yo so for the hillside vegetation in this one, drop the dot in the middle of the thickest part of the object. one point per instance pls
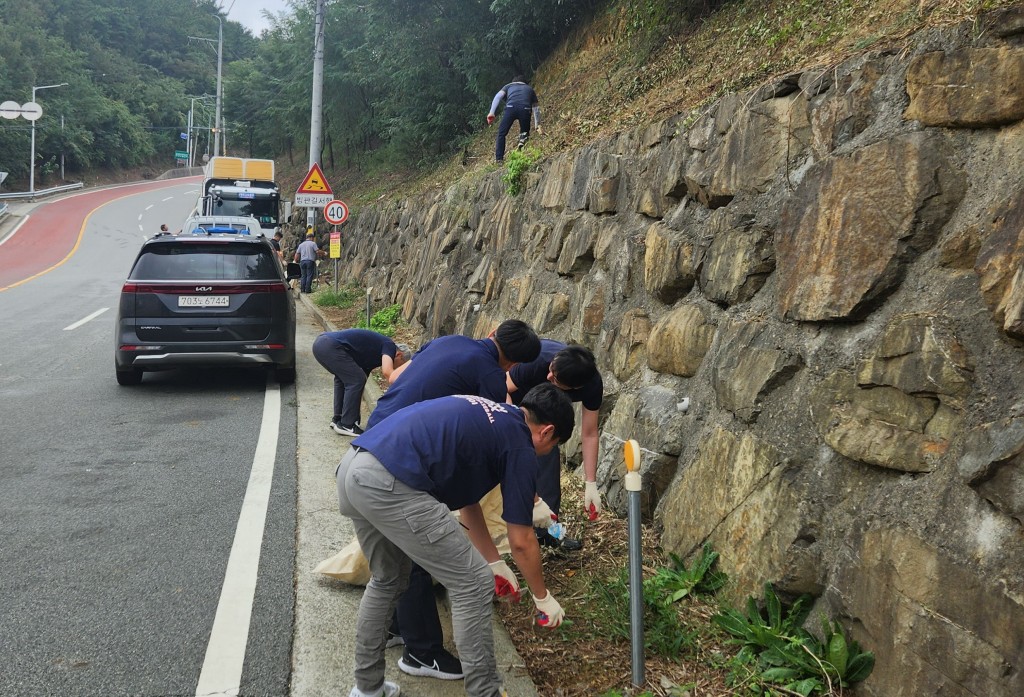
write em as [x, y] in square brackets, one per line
[120, 76]
[641, 61]
[407, 83]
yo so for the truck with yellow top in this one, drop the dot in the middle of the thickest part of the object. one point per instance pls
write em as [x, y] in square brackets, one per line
[239, 186]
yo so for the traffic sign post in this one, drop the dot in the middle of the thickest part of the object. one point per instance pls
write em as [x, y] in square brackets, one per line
[336, 213]
[335, 247]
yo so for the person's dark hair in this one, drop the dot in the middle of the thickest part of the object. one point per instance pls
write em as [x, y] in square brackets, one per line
[517, 341]
[518, 78]
[546, 404]
[574, 366]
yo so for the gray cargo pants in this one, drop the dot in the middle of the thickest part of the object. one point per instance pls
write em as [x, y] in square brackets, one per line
[395, 524]
[349, 379]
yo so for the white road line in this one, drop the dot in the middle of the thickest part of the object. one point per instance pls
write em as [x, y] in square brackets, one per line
[82, 321]
[140, 216]
[222, 668]
[168, 198]
[150, 206]
[15, 230]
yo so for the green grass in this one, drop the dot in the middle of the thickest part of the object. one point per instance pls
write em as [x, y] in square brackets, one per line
[384, 321]
[346, 296]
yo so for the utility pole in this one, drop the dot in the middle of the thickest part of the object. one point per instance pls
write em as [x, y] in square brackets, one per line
[220, 66]
[220, 62]
[316, 109]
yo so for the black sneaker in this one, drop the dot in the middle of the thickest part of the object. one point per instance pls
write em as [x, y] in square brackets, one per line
[441, 665]
[353, 430]
[566, 544]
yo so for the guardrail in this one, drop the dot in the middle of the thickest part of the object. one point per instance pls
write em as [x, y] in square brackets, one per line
[40, 192]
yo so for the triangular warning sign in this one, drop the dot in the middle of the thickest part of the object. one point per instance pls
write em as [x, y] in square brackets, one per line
[315, 182]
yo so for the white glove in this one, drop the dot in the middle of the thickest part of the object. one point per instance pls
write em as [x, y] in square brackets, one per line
[551, 613]
[543, 516]
[505, 584]
[591, 500]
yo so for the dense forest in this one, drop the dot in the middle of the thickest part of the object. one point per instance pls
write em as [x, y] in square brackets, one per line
[405, 81]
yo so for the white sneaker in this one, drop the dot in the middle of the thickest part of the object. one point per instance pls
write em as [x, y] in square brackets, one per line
[389, 689]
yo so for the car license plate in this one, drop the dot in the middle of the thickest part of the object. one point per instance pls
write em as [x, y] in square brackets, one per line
[202, 301]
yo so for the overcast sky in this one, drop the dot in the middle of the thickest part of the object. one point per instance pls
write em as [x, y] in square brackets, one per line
[250, 12]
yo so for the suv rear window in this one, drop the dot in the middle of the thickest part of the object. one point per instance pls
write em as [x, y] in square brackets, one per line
[191, 262]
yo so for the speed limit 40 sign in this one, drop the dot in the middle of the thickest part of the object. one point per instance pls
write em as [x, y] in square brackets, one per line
[336, 212]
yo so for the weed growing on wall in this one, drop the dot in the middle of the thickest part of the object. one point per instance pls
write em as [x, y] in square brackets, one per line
[517, 164]
[775, 649]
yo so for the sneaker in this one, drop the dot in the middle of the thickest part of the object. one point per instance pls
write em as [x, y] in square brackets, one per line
[394, 640]
[389, 689]
[354, 430]
[566, 544]
[441, 665]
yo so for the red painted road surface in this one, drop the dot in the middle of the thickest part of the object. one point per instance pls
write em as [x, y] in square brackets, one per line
[53, 231]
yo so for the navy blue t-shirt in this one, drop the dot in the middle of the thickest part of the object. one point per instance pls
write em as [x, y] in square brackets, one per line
[528, 375]
[457, 449]
[519, 94]
[365, 347]
[447, 365]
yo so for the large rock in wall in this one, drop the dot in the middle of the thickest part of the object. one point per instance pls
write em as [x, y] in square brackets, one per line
[807, 303]
[851, 228]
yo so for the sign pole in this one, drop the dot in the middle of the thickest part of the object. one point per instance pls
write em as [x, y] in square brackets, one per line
[336, 213]
[336, 232]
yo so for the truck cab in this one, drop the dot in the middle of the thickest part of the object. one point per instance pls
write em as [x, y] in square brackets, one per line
[236, 186]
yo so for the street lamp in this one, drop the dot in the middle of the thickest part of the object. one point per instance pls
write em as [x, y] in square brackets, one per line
[32, 156]
[193, 141]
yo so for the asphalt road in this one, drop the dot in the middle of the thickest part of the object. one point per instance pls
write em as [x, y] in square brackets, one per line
[119, 506]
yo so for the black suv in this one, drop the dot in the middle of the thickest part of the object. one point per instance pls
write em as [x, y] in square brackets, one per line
[205, 300]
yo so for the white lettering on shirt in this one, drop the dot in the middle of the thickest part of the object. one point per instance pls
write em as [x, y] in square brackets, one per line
[488, 406]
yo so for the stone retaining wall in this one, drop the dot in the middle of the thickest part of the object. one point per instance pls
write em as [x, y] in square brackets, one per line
[831, 269]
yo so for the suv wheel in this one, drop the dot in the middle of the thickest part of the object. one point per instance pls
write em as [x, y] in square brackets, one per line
[132, 376]
[285, 376]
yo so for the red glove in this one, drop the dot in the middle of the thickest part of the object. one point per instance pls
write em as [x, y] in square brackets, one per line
[506, 587]
[549, 612]
[490, 119]
[591, 500]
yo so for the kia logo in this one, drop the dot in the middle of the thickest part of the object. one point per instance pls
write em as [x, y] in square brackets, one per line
[204, 289]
